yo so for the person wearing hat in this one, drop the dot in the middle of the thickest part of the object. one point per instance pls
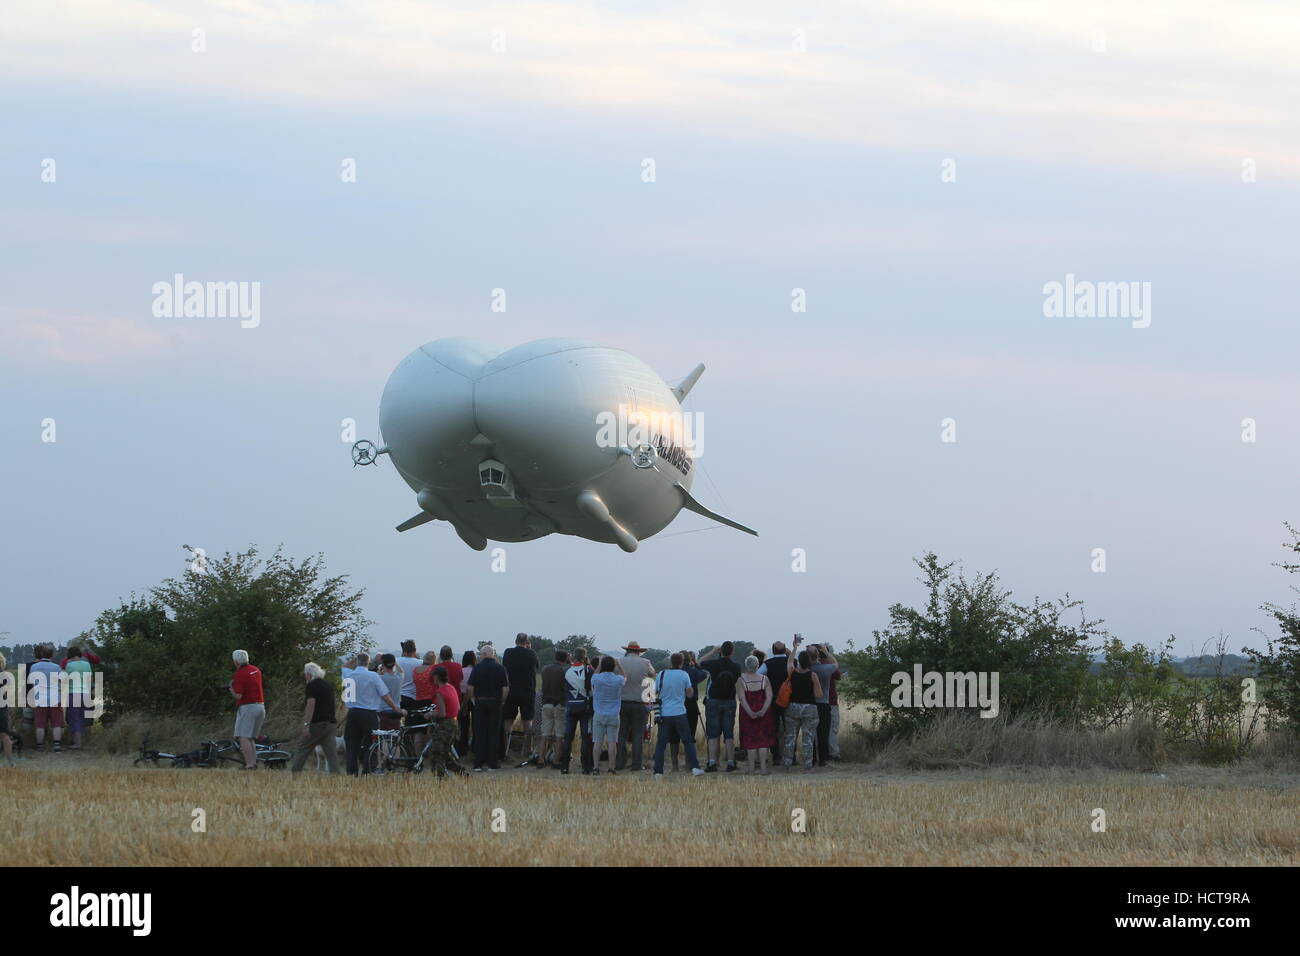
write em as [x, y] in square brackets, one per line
[633, 711]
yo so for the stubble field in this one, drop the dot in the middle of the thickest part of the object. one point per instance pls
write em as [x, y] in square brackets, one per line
[524, 817]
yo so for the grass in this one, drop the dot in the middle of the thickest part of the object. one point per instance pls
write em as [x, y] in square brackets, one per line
[855, 817]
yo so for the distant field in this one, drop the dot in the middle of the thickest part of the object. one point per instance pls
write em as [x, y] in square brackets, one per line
[89, 811]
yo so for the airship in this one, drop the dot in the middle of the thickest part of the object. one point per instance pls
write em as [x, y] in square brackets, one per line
[556, 436]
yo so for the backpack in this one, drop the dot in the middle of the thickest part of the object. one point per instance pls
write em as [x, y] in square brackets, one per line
[723, 685]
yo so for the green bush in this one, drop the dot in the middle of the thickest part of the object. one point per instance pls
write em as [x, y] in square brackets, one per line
[971, 624]
[169, 652]
[1279, 665]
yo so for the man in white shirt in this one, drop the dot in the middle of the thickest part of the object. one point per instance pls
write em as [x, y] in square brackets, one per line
[408, 662]
[364, 692]
[44, 680]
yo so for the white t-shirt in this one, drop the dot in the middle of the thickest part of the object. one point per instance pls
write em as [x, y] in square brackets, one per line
[408, 666]
[43, 677]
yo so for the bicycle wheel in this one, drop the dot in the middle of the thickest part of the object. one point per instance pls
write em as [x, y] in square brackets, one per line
[376, 759]
[405, 756]
[227, 751]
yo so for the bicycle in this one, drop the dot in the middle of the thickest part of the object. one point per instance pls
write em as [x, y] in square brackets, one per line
[394, 751]
[265, 751]
[151, 757]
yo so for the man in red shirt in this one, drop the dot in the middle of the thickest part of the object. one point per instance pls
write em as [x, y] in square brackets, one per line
[250, 706]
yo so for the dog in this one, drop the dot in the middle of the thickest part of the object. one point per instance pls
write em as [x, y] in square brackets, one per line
[320, 753]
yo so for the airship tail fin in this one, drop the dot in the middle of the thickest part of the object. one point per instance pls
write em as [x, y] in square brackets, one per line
[688, 383]
[414, 522]
[690, 504]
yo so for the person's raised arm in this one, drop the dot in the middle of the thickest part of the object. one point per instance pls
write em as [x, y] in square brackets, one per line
[709, 653]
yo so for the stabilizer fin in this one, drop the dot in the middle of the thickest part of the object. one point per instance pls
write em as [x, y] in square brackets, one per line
[684, 388]
[415, 521]
[690, 504]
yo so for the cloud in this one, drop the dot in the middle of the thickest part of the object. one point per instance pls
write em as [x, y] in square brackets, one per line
[39, 336]
[1151, 86]
[107, 230]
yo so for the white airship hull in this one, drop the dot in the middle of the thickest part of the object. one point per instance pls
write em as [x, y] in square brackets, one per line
[457, 414]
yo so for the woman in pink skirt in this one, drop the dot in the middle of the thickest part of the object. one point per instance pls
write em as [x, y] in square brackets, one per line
[757, 723]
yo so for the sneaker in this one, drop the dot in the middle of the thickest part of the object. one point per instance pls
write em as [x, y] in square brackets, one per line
[58, 747]
[697, 772]
[731, 766]
[611, 772]
[564, 770]
[479, 769]
[659, 776]
[711, 768]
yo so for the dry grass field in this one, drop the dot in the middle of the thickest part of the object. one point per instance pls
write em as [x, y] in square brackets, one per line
[92, 811]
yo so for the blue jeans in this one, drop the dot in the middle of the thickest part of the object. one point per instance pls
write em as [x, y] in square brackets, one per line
[573, 719]
[719, 718]
[679, 728]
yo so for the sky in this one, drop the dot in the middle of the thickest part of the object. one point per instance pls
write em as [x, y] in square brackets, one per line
[922, 170]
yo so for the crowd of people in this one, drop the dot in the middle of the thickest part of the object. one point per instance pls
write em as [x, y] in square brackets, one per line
[52, 711]
[783, 706]
[778, 708]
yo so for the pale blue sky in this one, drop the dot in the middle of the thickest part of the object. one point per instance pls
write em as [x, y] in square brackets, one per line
[775, 170]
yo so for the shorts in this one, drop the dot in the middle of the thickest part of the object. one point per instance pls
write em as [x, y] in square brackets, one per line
[248, 720]
[552, 723]
[523, 706]
[719, 719]
[51, 717]
[604, 727]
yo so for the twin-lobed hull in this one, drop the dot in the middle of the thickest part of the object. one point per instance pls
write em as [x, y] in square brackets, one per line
[509, 446]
